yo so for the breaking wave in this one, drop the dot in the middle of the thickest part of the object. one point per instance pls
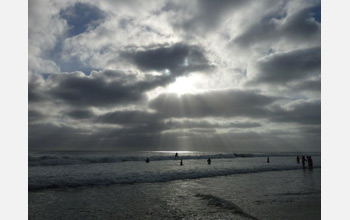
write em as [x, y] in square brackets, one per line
[93, 179]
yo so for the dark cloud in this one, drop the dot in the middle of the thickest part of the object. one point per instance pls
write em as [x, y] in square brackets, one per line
[80, 114]
[234, 103]
[307, 85]
[226, 103]
[137, 120]
[244, 125]
[34, 116]
[77, 89]
[104, 88]
[129, 117]
[63, 137]
[82, 17]
[299, 27]
[34, 89]
[289, 66]
[302, 112]
[84, 90]
[175, 60]
[54, 137]
[311, 130]
[302, 25]
[50, 136]
[108, 88]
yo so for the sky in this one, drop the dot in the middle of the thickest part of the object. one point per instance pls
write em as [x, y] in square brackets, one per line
[229, 75]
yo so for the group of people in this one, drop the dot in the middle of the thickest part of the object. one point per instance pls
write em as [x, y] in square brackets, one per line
[304, 159]
[181, 162]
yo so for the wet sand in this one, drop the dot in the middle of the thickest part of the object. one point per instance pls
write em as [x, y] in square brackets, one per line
[293, 194]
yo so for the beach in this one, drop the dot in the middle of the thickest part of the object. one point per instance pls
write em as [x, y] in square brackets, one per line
[237, 187]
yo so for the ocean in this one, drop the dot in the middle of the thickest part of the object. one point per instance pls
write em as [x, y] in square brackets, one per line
[121, 185]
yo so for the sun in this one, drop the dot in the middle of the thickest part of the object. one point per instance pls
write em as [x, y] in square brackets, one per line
[182, 85]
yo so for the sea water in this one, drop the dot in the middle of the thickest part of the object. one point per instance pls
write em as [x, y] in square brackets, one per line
[121, 185]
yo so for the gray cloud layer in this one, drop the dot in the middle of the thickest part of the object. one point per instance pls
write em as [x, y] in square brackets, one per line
[218, 103]
[285, 67]
[203, 75]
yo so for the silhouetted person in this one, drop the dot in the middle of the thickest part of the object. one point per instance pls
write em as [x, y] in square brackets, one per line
[303, 160]
[181, 163]
[268, 159]
[176, 155]
[309, 162]
[209, 161]
[147, 160]
[298, 159]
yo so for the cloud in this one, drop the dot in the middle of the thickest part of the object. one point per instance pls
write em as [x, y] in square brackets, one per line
[100, 88]
[80, 114]
[34, 116]
[235, 103]
[45, 28]
[226, 103]
[289, 66]
[202, 16]
[109, 87]
[206, 124]
[307, 85]
[129, 117]
[81, 90]
[282, 25]
[34, 88]
[300, 111]
[51, 136]
[175, 59]
[101, 74]
[54, 137]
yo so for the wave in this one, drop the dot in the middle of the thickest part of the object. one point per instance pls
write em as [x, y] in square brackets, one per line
[54, 160]
[65, 160]
[93, 179]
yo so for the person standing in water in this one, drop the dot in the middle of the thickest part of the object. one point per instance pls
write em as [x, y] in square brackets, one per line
[209, 161]
[309, 161]
[303, 160]
[268, 159]
[298, 159]
[176, 155]
[181, 163]
[147, 160]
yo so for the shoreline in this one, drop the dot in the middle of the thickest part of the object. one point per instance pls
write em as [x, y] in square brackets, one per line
[282, 194]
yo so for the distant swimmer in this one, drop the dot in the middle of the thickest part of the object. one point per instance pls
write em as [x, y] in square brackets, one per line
[209, 161]
[303, 160]
[176, 155]
[309, 161]
[181, 163]
[268, 159]
[298, 159]
[147, 160]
